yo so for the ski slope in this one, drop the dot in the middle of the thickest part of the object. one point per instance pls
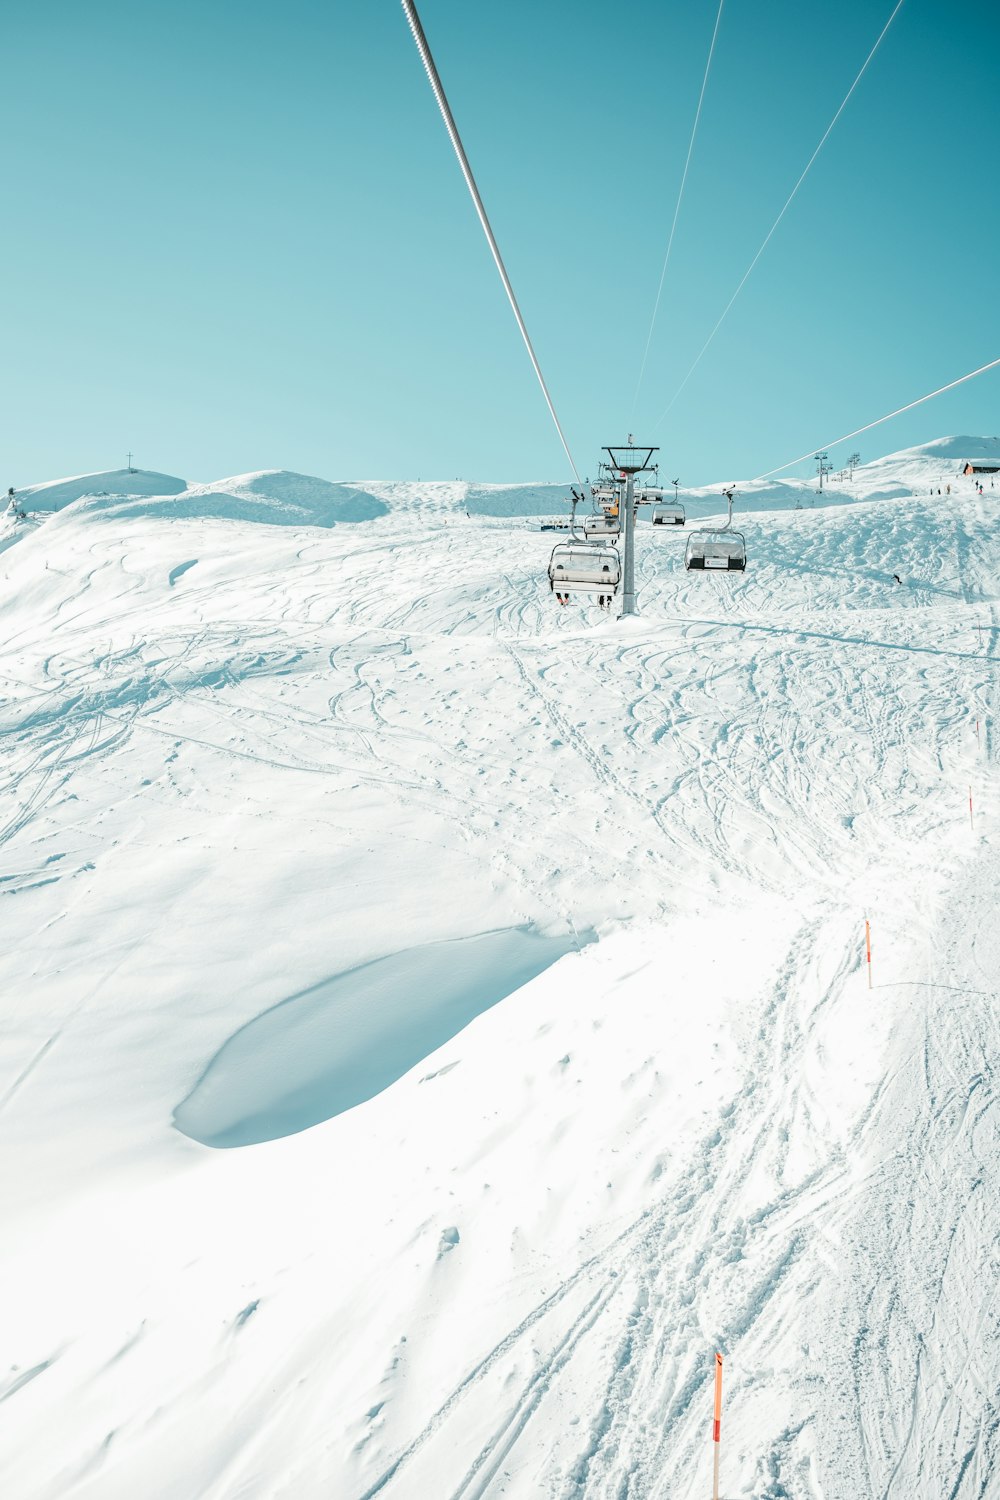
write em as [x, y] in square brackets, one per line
[437, 1021]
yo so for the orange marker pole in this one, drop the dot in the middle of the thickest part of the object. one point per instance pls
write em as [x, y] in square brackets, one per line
[868, 951]
[717, 1428]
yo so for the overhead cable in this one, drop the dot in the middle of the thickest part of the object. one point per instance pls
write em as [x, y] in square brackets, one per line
[470, 182]
[788, 202]
[677, 207]
[822, 447]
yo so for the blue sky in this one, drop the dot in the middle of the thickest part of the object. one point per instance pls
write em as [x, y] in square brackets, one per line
[237, 236]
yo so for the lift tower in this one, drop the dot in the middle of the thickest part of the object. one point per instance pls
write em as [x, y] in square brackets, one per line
[628, 461]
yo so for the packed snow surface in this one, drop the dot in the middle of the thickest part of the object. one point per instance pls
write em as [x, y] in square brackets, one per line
[516, 954]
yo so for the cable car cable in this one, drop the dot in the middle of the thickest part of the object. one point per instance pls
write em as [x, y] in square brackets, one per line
[677, 208]
[822, 447]
[788, 202]
[470, 182]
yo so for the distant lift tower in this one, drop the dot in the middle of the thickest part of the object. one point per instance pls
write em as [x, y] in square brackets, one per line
[628, 461]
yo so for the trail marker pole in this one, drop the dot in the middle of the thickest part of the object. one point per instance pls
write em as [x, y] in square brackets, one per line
[868, 951]
[971, 824]
[717, 1427]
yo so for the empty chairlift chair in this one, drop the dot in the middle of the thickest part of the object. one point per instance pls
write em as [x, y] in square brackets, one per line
[603, 524]
[667, 509]
[582, 568]
[717, 548]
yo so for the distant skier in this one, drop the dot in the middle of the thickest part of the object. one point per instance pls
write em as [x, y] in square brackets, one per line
[896, 578]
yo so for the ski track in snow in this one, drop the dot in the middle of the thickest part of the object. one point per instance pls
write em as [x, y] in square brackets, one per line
[222, 782]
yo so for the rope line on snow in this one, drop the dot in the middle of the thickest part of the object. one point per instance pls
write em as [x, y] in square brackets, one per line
[822, 447]
[788, 202]
[677, 207]
[470, 182]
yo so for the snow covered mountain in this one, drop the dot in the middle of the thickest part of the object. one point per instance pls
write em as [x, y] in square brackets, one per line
[435, 1022]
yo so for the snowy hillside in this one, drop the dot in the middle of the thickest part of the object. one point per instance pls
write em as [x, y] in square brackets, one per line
[435, 1022]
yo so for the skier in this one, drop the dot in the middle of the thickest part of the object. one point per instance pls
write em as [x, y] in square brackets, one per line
[896, 578]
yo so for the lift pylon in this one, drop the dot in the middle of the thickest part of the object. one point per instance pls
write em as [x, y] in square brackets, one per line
[629, 460]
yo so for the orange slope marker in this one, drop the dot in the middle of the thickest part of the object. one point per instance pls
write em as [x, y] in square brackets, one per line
[717, 1427]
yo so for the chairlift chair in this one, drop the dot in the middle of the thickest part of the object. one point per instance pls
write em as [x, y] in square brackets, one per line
[666, 511]
[603, 524]
[717, 548]
[584, 568]
[606, 520]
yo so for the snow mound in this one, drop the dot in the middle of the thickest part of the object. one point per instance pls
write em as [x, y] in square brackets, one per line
[325, 501]
[518, 500]
[344, 1040]
[950, 447]
[58, 493]
[270, 497]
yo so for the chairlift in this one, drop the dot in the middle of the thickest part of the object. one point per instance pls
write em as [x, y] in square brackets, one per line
[603, 524]
[667, 509]
[584, 568]
[608, 497]
[717, 548]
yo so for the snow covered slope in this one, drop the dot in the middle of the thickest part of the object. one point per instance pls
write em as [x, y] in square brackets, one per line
[550, 929]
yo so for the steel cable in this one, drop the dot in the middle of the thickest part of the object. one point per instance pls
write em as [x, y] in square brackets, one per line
[847, 436]
[788, 202]
[470, 182]
[677, 207]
